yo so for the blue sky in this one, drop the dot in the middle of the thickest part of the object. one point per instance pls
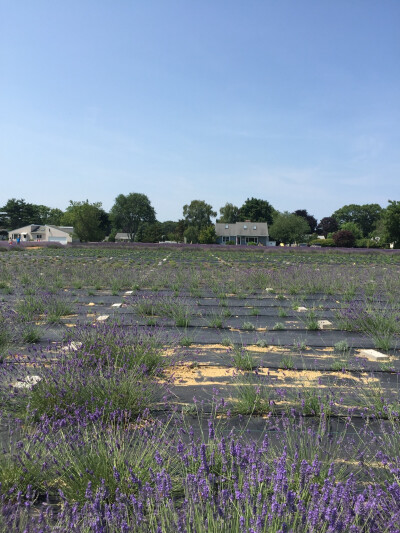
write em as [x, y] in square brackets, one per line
[292, 101]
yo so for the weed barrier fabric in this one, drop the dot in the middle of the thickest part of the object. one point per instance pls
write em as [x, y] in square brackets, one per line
[310, 359]
[205, 335]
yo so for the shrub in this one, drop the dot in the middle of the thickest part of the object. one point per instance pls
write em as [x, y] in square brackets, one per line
[344, 239]
[322, 242]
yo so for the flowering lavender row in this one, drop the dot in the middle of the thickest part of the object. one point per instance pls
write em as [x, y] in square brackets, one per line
[95, 435]
[156, 477]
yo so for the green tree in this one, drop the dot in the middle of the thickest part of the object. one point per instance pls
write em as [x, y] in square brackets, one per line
[311, 221]
[289, 228]
[207, 235]
[55, 216]
[85, 219]
[391, 218]
[191, 235]
[129, 211]
[179, 234]
[198, 214]
[168, 230]
[229, 214]
[18, 213]
[354, 228]
[365, 216]
[256, 210]
[149, 232]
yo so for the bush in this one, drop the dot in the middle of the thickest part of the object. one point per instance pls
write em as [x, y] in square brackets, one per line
[367, 243]
[322, 242]
[344, 239]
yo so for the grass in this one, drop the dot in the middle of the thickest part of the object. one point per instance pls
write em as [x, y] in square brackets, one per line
[215, 321]
[252, 396]
[242, 359]
[287, 362]
[312, 321]
[31, 334]
[186, 341]
[342, 347]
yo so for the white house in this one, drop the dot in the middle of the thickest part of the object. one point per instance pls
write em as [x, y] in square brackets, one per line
[42, 233]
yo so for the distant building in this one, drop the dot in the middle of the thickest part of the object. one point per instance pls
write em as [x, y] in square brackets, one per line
[42, 233]
[122, 237]
[243, 233]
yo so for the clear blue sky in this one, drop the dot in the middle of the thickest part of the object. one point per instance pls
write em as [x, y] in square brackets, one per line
[293, 101]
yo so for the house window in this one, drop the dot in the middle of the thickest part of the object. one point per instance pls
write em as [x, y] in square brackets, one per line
[226, 226]
[254, 227]
[226, 239]
[251, 239]
[244, 227]
[38, 237]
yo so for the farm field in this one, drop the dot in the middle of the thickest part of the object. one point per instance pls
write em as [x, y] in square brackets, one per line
[199, 389]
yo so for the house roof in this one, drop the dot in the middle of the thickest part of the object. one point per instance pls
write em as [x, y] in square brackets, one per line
[38, 228]
[242, 229]
[121, 235]
[65, 229]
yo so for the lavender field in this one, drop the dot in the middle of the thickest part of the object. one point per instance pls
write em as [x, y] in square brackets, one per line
[199, 388]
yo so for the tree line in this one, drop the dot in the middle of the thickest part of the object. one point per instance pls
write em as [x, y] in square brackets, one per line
[133, 214]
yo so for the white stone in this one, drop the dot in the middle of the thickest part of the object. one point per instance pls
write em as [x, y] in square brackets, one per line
[128, 292]
[324, 324]
[27, 383]
[72, 347]
[117, 305]
[302, 309]
[374, 355]
[102, 318]
[269, 289]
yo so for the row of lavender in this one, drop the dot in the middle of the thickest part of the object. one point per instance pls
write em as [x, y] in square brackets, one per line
[88, 446]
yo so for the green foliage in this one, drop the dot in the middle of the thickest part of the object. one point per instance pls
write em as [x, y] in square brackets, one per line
[354, 228]
[86, 220]
[229, 214]
[392, 221]
[149, 232]
[365, 216]
[252, 396]
[311, 221]
[31, 334]
[341, 347]
[325, 243]
[19, 213]
[289, 228]
[129, 211]
[242, 359]
[256, 210]
[191, 234]
[367, 243]
[208, 235]
[198, 214]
